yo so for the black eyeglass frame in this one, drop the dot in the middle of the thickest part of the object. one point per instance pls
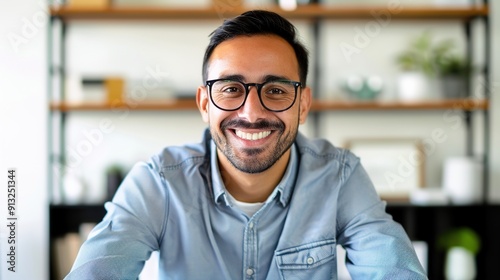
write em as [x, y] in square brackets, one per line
[259, 87]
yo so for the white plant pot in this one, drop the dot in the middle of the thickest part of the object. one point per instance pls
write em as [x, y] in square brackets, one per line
[462, 180]
[74, 189]
[460, 264]
[413, 86]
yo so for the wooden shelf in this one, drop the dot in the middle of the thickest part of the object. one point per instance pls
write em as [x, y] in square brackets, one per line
[167, 105]
[462, 104]
[311, 11]
[318, 105]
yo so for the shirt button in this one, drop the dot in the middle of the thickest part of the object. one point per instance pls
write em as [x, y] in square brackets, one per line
[249, 271]
[310, 260]
[250, 225]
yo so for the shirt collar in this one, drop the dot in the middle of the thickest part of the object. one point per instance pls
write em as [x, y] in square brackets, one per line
[283, 190]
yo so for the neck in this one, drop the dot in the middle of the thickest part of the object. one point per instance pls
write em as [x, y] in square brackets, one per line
[247, 187]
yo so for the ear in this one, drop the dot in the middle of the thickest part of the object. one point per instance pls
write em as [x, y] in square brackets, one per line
[305, 104]
[203, 102]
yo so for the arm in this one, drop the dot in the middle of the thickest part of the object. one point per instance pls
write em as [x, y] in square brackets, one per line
[119, 245]
[377, 247]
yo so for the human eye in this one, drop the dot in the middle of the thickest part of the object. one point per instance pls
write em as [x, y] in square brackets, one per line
[229, 88]
[276, 89]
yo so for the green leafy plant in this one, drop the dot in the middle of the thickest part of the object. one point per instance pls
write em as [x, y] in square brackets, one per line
[453, 65]
[418, 55]
[463, 237]
[114, 168]
[432, 58]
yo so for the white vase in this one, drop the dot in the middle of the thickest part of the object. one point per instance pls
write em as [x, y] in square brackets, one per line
[462, 180]
[460, 264]
[73, 189]
[413, 86]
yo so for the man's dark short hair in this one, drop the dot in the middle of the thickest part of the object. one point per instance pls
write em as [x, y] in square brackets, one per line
[258, 22]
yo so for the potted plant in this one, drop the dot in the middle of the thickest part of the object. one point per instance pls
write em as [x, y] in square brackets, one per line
[425, 62]
[453, 72]
[417, 70]
[461, 245]
[114, 177]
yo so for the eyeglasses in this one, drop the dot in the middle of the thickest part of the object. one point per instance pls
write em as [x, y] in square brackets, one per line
[274, 95]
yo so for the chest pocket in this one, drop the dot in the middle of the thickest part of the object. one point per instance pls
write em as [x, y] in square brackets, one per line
[315, 260]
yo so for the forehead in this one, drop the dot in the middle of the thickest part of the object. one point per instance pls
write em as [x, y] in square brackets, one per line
[253, 57]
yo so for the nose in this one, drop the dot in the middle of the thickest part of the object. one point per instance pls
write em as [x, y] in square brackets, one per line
[252, 110]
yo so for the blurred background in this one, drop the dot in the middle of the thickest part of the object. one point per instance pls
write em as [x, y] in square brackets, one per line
[88, 88]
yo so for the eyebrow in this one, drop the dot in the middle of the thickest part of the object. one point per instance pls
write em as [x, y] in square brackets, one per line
[239, 78]
[266, 78]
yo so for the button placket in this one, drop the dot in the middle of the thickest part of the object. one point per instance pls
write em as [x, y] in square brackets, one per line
[250, 249]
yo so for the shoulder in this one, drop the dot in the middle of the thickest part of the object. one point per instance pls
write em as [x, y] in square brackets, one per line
[174, 169]
[173, 158]
[172, 163]
[324, 152]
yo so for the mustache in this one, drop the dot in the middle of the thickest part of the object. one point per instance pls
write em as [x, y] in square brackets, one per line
[262, 124]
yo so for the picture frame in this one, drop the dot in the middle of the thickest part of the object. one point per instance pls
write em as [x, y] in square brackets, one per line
[396, 166]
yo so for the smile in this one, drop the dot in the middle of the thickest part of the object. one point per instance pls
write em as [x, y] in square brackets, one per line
[252, 136]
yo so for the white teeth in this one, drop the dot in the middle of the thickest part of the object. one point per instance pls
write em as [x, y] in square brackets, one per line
[252, 136]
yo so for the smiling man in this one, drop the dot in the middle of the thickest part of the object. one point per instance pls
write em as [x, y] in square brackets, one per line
[257, 106]
[256, 199]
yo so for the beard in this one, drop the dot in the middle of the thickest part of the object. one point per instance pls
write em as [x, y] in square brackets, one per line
[254, 160]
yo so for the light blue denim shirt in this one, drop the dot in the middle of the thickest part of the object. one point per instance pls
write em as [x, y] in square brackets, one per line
[176, 204]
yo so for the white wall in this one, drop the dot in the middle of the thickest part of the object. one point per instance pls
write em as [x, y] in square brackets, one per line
[102, 49]
[23, 122]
